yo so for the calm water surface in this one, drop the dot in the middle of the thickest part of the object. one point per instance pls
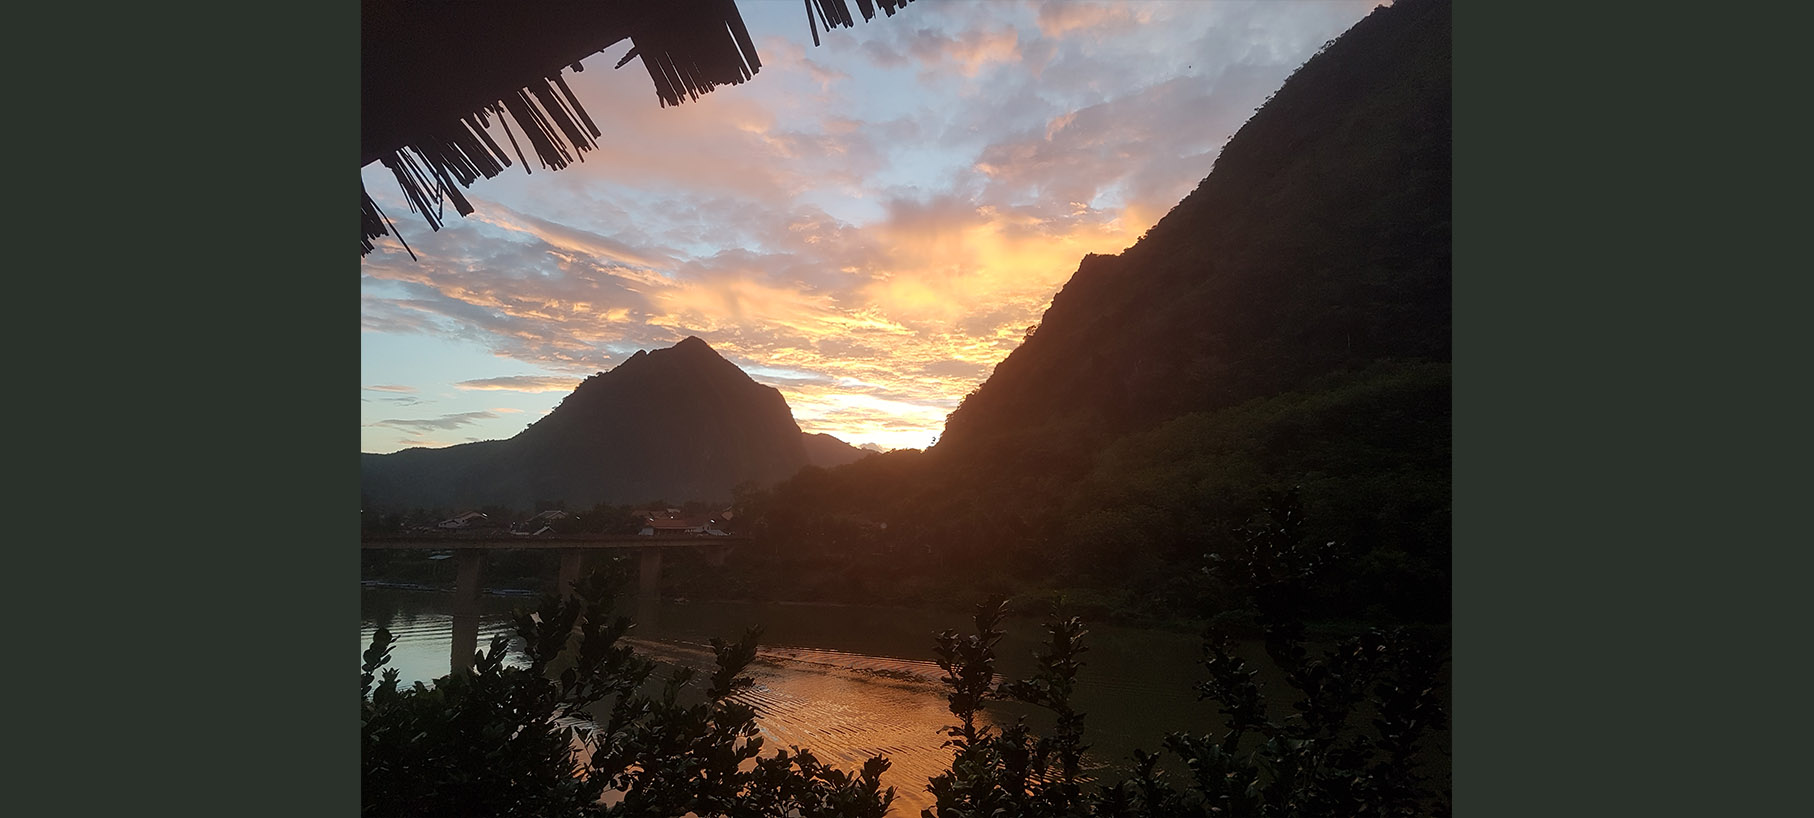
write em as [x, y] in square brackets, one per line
[850, 682]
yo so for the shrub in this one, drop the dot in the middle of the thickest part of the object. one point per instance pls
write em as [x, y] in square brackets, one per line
[554, 737]
[1350, 746]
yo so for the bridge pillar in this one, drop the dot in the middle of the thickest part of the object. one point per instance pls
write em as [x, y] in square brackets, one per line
[570, 570]
[648, 590]
[470, 563]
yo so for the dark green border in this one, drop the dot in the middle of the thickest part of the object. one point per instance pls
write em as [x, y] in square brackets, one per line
[321, 467]
[254, 363]
[189, 176]
[1501, 624]
[1567, 692]
[258, 714]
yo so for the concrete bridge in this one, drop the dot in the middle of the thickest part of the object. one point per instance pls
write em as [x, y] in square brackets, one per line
[470, 550]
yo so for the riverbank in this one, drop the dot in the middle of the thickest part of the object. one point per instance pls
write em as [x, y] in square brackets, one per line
[849, 680]
[1033, 605]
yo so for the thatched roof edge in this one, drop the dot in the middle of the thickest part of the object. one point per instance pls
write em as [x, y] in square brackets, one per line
[689, 48]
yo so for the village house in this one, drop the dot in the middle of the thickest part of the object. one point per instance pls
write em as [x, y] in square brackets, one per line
[540, 524]
[471, 519]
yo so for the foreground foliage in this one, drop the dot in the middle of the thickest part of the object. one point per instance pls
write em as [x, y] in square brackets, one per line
[1316, 762]
[1349, 744]
[584, 719]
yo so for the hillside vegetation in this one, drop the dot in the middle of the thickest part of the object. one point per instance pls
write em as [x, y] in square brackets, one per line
[1284, 330]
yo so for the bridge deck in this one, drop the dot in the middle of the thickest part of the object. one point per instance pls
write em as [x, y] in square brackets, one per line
[499, 542]
[469, 550]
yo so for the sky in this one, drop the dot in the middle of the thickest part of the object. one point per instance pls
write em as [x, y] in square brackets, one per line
[869, 225]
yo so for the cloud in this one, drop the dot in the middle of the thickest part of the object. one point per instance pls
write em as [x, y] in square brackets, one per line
[967, 40]
[825, 76]
[883, 55]
[972, 50]
[1145, 149]
[420, 442]
[600, 248]
[440, 424]
[390, 388]
[963, 370]
[894, 424]
[401, 401]
[521, 383]
[1101, 19]
[896, 317]
[870, 226]
[515, 293]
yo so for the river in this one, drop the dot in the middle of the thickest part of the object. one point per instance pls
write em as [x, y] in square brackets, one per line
[848, 682]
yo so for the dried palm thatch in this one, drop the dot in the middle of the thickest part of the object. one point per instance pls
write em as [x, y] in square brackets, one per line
[435, 73]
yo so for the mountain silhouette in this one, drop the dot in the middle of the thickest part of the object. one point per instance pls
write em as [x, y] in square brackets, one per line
[1281, 339]
[680, 423]
[1319, 243]
[826, 451]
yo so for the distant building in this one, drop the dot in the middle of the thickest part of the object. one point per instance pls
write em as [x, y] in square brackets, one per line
[471, 519]
[672, 527]
[539, 524]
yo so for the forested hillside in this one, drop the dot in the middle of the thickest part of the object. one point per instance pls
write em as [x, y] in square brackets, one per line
[1281, 336]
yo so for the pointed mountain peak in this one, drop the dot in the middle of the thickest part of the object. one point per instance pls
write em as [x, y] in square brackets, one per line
[677, 422]
[693, 349]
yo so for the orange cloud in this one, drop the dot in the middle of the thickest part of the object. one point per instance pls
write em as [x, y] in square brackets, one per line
[520, 383]
[639, 261]
[943, 272]
[748, 217]
[1059, 19]
[969, 50]
[974, 52]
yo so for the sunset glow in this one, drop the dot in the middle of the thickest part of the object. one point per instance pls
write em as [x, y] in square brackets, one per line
[869, 225]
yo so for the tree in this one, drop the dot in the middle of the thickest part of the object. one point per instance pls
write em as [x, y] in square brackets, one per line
[585, 718]
[1317, 762]
[552, 738]
[1350, 746]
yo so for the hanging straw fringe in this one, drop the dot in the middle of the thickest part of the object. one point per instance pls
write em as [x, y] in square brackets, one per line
[686, 55]
[373, 223]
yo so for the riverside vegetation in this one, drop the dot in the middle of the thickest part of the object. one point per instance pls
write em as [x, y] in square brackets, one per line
[1288, 324]
[585, 728]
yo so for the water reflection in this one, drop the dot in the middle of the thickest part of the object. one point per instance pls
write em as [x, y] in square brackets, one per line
[851, 682]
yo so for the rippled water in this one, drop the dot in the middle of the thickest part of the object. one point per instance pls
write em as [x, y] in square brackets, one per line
[851, 682]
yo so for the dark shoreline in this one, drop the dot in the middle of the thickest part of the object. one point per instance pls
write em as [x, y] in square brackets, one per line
[1321, 630]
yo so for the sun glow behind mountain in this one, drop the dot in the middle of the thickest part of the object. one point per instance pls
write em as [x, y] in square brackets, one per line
[869, 226]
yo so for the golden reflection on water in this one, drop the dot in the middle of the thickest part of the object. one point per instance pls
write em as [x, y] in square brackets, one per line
[849, 705]
[845, 708]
